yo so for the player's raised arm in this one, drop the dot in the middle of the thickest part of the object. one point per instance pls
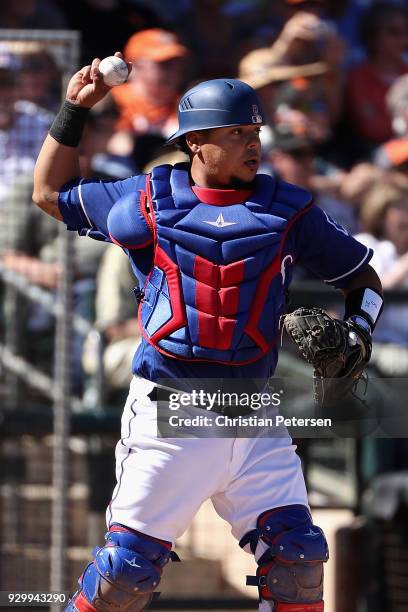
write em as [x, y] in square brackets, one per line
[58, 160]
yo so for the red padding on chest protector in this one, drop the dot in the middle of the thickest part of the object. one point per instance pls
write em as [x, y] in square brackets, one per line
[298, 607]
[217, 301]
[163, 261]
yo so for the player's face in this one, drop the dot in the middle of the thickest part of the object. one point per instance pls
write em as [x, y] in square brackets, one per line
[230, 156]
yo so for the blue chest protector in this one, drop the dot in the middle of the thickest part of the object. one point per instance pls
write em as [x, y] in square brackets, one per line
[217, 286]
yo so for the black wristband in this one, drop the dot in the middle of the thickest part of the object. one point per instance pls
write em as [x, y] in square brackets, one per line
[69, 124]
[366, 303]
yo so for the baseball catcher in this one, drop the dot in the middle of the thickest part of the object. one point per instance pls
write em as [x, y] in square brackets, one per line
[213, 243]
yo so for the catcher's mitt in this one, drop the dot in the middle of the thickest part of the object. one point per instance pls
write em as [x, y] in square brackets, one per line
[338, 351]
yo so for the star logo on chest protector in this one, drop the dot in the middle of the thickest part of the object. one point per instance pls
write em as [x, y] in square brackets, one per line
[220, 222]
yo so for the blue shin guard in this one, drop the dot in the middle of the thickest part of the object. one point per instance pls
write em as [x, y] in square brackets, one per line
[290, 570]
[124, 573]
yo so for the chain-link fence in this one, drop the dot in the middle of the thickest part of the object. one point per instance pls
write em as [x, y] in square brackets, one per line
[41, 322]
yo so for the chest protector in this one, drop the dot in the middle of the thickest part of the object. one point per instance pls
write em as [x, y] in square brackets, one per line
[218, 284]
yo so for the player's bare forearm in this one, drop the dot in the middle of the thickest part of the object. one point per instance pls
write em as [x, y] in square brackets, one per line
[367, 278]
[56, 165]
[58, 161]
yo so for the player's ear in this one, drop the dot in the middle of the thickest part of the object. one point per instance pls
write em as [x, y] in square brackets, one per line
[193, 141]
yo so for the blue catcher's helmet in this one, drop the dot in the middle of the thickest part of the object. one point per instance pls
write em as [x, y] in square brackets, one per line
[217, 103]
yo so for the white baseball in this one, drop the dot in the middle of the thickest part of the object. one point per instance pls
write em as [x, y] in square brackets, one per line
[114, 70]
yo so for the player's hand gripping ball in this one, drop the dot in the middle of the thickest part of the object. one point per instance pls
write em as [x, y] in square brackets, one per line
[114, 70]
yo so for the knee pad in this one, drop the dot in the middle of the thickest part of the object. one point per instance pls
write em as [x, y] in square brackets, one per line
[290, 571]
[124, 573]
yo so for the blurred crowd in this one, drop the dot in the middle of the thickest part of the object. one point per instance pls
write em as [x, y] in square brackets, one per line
[332, 76]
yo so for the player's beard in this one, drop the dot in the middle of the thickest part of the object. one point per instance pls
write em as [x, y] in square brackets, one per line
[239, 184]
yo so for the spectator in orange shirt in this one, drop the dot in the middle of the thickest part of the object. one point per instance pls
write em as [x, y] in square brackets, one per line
[148, 101]
[384, 33]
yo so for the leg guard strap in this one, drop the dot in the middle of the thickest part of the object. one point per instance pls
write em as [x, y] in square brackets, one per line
[285, 582]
